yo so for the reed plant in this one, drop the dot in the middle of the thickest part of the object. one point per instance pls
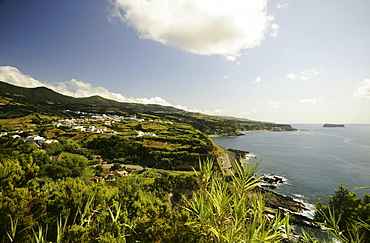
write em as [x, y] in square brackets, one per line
[231, 211]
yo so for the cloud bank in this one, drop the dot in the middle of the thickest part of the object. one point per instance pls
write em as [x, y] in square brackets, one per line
[72, 87]
[304, 75]
[216, 112]
[76, 88]
[13, 76]
[363, 90]
[202, 27]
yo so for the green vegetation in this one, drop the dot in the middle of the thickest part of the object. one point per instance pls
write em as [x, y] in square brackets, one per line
[166, 152]
[45, 200]
[230, 211]
[346, 217]
[47, 193]
[18, 102]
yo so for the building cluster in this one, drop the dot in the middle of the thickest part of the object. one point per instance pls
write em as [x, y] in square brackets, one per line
[102, 129]
[34, 138]
[141, 133]
[86, 117]
[110, 175]
[40, 140]
[107, 120]
[16, 133]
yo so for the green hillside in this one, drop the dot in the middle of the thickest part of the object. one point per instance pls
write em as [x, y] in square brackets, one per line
[19, 102]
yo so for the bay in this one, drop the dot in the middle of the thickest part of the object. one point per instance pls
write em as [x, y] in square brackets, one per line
[314, 159]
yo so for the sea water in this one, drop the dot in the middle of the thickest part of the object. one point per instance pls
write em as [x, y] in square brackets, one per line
[314, 159]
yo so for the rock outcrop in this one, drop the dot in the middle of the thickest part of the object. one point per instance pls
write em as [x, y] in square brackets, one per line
[333, 125]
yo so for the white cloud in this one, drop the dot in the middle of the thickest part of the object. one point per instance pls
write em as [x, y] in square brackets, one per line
[257, 80]
[275, 30]
[13, 76]
[305, 75]
[291, 76]
[277, 104]
[72, 88]
[363, 90]
[312, 100]
[202, 27]
[282, 4]
[216, 112]
[226, 76]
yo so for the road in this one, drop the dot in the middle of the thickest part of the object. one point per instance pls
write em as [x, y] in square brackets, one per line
[226, 163]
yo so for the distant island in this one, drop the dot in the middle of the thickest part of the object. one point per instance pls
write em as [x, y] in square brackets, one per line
[333, 125]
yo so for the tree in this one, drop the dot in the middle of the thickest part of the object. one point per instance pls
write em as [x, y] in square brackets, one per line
[346, 215]
[21, 206]
[68, 165]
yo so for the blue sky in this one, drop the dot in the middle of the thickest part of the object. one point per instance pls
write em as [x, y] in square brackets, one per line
[287, 61]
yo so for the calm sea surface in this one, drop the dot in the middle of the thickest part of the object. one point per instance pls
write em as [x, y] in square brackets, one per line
[313, 159]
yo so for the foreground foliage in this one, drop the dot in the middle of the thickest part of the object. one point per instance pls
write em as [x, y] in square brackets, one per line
[44, 200]
[231, 211]
[346, 217]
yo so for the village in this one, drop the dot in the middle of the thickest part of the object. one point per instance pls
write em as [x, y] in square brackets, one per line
[81, 124]
[106, 120]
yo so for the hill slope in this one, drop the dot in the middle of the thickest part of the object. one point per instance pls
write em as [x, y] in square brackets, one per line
[19, 101]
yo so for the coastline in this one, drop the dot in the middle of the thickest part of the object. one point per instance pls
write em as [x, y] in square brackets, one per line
[242, 133]
[301, 213]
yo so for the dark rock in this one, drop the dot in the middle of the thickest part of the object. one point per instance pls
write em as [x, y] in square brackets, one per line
[333, 125]
[281, 203]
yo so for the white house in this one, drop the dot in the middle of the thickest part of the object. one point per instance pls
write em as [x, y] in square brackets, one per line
[141, 133]
[109, 131]
[34, 138]
[79, 128]
[50, 141]
[100, 129]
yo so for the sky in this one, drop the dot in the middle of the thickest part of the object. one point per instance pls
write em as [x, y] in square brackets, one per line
[283, 61]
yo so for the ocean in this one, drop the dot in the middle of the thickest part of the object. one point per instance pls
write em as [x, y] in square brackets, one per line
[314, 159]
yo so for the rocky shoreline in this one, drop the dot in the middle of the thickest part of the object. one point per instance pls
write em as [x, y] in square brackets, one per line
[281, 203]
[276, 202]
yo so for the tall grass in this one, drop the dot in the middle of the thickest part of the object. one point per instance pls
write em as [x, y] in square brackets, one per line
[230, 211]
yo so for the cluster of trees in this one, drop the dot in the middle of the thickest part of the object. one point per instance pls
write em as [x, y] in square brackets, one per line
[180, 152]
[149, 206]
[346, 216]
[43, 200]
